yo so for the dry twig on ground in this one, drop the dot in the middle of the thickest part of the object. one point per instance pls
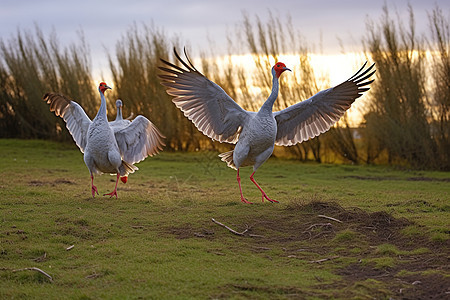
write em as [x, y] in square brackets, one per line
[35, 269]
[330, 218]
[243, 233]
[317, 225]
[232, 230]
[324, 259]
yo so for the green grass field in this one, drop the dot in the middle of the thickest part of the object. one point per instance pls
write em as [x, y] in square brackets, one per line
[390, 236]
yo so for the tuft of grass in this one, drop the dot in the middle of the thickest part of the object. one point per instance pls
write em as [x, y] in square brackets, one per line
[345, 236]
[380, 262]
[412, 230]
[387, 249]
[371, 287]
[392, 250]
[440, 237]
[356, 250]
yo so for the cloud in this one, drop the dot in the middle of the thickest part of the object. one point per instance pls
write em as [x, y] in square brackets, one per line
[198, 22]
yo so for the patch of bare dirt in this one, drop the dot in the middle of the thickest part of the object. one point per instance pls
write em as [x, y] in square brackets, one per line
[188, 231]
[380, 178]
[377, 227]
[432, 286]
[315, 230]
[417, 286]
[421, 178]
[282, 292]
[50, 183]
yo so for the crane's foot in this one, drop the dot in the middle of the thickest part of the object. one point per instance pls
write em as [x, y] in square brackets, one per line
[113, 193]
[94, 190]
[246, 201]
[264, 195]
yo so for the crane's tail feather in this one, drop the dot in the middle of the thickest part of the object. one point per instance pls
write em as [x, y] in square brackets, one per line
[127, 168]
[228, 158]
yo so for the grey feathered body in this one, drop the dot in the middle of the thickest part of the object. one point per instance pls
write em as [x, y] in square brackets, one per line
[102, 152]
[256, 142]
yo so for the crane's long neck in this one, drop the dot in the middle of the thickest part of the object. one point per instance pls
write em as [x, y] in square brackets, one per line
[119, 113]
[102, 110]
[268, 105]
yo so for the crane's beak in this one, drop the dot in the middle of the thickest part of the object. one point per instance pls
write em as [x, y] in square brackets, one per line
[287, 69]
[107, 87]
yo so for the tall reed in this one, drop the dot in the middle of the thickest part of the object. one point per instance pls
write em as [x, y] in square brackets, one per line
[32, 64]
[399, 119]
[439, 45]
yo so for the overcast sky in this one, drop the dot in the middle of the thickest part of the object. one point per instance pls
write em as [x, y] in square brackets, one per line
[197, 22]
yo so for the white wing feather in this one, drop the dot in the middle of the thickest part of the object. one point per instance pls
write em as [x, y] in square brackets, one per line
[203, 102]
[77, 122]
[138, 140]
[117, 125]
[311, 117]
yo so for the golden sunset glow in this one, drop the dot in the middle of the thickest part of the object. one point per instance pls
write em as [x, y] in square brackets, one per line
[330, 70]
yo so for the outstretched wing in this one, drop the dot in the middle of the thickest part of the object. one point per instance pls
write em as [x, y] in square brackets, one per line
[117, 125]
[138, 140]
[317, 114]
[77, 122]
[203, 102]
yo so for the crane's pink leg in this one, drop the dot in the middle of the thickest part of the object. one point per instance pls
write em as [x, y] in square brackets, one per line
[240, 189]
[93, 187]
[263, 194]
[114, 193]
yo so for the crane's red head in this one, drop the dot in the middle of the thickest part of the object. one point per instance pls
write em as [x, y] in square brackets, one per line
[279, 68]
[103, 87]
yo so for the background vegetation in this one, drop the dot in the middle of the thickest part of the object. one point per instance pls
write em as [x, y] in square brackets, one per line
[408, 117]
[406, 122]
